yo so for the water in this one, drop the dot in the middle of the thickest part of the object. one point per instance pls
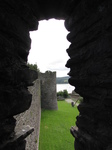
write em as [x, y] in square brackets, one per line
[68, 87]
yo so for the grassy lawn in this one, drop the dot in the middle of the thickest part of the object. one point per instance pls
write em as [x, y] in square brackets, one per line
[55, 127]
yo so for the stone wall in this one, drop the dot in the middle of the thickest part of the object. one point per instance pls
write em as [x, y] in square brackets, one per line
[31, 117]
[15, 75]
[48, 90]
[90, 63]
[45, 85]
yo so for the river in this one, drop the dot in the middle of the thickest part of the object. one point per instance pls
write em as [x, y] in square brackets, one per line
[68, 87]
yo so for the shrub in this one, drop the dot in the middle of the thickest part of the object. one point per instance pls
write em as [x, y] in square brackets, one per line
[63, 94]
[33, 67]
[60, 93]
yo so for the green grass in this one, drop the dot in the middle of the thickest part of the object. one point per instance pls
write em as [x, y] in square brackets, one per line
[55, 127]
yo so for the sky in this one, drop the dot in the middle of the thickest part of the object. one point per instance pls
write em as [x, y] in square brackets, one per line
[48, 48]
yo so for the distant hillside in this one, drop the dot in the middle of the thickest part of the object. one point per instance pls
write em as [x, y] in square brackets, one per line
[62, 80]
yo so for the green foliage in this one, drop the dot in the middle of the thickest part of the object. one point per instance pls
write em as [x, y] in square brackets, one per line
[60, 93]
[33, 67]
[55, 127]
[63, 93]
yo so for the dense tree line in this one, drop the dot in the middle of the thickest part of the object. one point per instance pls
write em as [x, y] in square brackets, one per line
[63, 94]
[34, 67]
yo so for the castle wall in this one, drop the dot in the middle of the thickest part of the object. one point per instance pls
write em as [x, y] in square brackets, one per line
[31, 117]
[45, 85]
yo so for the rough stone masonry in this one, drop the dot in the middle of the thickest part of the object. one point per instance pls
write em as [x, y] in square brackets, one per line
[90, 63]
[48, 90]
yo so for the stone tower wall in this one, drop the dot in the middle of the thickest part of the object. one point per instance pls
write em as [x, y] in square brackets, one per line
[48, 90]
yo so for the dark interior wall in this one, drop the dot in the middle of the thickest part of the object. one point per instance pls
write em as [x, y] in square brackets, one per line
[89, 23]
[90, 27]
[15, 76]
[47, 9]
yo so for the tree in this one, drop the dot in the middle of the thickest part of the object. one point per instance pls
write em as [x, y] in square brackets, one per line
[60, 93]
[65, 93]
[34, 67]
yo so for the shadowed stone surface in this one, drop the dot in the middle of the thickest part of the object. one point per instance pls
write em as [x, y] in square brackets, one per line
[15, 76]
[90, 70]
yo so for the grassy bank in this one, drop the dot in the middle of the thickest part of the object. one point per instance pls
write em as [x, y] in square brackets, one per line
[55, 128]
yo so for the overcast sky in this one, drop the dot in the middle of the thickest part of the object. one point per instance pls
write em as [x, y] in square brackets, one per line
[48, 48]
